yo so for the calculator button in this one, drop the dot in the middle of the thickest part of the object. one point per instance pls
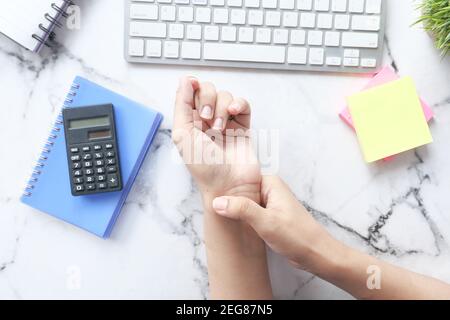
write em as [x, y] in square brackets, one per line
[99, 163]
[88, 164]
[100, 170]
[88, 172]
[79, 188]
[97, 147]
[90, 187]
[113, 181]
[76, 165]
[111, 169]
[110, 154]
[86, 149]
[74, 150]
[101, 178]
[75, 158]
[78, 180]
[99, 155]
[77, 173]
[90, 179]
[87, 156]
[111, 162]
[108, 146]
[101, 185]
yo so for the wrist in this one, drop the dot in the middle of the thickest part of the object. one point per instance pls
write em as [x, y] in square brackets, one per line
[252, 192]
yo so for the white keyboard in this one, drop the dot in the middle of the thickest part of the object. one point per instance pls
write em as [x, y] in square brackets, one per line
[312, 35]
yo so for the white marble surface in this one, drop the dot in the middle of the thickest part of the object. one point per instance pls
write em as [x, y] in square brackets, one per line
[399, 211]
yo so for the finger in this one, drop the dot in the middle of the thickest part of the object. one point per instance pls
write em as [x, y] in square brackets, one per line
[221, 114]
[240, 109]
[205, 100]
[241, 208]
[184, 103]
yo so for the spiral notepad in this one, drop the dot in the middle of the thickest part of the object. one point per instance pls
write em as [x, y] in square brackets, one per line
[32, 23]
[48, 189]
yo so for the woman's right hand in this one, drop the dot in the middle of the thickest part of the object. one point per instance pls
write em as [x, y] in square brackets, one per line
[284, 224]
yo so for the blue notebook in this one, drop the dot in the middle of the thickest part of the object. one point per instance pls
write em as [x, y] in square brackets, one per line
[49, 187]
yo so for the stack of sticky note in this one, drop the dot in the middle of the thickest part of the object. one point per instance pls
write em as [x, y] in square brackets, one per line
[388, 117]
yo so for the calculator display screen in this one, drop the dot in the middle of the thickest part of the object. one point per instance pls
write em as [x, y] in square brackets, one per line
[99, 134]
[90, 122]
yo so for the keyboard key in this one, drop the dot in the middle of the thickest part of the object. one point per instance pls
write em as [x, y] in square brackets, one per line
[334, 61]
[316, 56]
[171, 49]
[246, 34]
[315, 38]
[368, 63]
[110, 162]
[228, 34]
[186, 14]
[307, 20]
[75, 158]
[298, 37]
[280, 36]
[238, 16]
[100, 170]
[148, 29]
[332, 38]
[234, 3]
[136, 47]
[154, 48]
[351, 53]
[168, 13]
[304, 5]
[263, 35]
[110, 154]
[88, 172]
[78, 180]
[322, 5]
[87, 156]
[356, 6]
[97, 155]
[144, 11]
[287, 4]
[101, 178]
[76, 165]
[79, 188]
[190, 50]
[290, 19]
[255, 17]
[220, 16]
[373, 6]
[176, 31]
[342, 21]
[74, 150]
[339, 6]
[273, 18]
[269, 4]
[99, 163]
[101, 185]
[325, 21]
[296, 55]
[220, 3]
[244, 52]
[366, 23]
[90, 179]
[86, 149]
[77, 173]
[351, 62]
[111, 169]
[203, 15]
[359, 40]
[252, 3]
[194, 32]
[87, 164]
[90, 187]
[211, 33]
[108, 146]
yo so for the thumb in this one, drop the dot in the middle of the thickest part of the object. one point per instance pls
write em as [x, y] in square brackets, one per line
[240, 208]
[184, 104]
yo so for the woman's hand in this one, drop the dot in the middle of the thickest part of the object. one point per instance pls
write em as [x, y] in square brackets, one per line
[211, 133]
[283, 223]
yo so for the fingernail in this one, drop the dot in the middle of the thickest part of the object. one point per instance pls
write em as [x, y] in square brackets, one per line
[218, 124]
[206, 112]
[220, 204]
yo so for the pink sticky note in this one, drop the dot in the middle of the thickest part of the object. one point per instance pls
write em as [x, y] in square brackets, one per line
[387, 74]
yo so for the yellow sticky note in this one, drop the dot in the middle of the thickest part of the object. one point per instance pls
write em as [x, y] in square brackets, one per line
[389, 119]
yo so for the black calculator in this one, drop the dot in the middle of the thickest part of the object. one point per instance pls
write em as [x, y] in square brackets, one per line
[92, 149]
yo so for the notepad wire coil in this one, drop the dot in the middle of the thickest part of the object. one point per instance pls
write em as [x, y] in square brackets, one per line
[56, 130]
[53, 18]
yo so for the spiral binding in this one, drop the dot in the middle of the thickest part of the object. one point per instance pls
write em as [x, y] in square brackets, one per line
[48, 145]
[48, 34]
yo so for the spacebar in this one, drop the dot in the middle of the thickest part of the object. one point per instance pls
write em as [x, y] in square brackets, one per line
[243, 52]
